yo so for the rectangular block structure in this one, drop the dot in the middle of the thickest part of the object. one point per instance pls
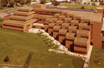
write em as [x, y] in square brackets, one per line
[59, 22]
[75, 23]
[66, 25]
[81, 45]
[83, 34]
[73, 29]
[62, 17]
[56, 31]
[54, 20]
[62, 35]
[56, 15]
[70, 39]
[84, 26]
[18, 25]
[68, 20]
[50, 28]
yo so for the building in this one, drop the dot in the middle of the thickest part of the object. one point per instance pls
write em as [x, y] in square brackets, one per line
[76, 30]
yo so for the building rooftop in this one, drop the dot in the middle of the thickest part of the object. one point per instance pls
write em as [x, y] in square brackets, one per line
[19, 22]
[83, 24]
[22, 16]
[52, 24]
[63, 30]
[57, 14]
[83, 31]
[87, 15]
[73, 27]
[55, 19]
[60, 21]
[68, 18]
[40, 15]
[82, 40]
[58, 27]
[67, 24]
[71, 34]
[24, 12]
[76, 21]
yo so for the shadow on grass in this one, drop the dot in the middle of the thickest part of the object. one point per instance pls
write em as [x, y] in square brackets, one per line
[26, 65]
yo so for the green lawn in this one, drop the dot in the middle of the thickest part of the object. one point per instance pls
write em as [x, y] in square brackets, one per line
[22, 48]
[78, 6]
[8, 8]
[97, 58]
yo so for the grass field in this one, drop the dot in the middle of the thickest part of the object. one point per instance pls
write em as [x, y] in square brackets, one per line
[31, 51]
[78, 6]
[97, 58]
[8, 8]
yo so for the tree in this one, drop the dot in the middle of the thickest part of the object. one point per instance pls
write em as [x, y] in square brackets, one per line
[28, 1]
[6, 59]
[55, 3]
[43, 1]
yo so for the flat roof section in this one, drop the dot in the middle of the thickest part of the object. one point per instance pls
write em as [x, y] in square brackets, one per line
[58, 27]
[19, 22]
[67, 24]
[82, 40]
[60, 21]
[52, 24]
[83, 24]
[21, 16]
[63, 30]
[83, 31]
[24, 12]
[71, 34]
[40, 15]
[76, 21]
[73, 27]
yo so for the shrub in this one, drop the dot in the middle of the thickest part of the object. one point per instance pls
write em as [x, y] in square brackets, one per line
[93, 4]
[82, 7]
[55, 3]
[6, 59]
[43, 1]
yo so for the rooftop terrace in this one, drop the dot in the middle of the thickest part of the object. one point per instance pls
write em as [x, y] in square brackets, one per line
[83, 31]
[19, 22]
[82, 40]
[71, 34]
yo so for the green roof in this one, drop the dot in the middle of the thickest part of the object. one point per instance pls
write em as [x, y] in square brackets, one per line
[60, 21]
[55, 19]
[83, 24]
[63, 30]
[18, 22]
[57, 27]
[57, 14]
[76, 21]
[69, 18]
[22, 16]
[73, 27]
[52, 23]
[39, 15]
[67, 24]
[83, 31]
[71, 34]
[62, 16]
[83, 40]
[23, 12]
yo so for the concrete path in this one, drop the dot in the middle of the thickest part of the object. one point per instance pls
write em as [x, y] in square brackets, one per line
[86, 64]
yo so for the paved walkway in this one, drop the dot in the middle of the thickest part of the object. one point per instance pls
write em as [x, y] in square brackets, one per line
[86, 64]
